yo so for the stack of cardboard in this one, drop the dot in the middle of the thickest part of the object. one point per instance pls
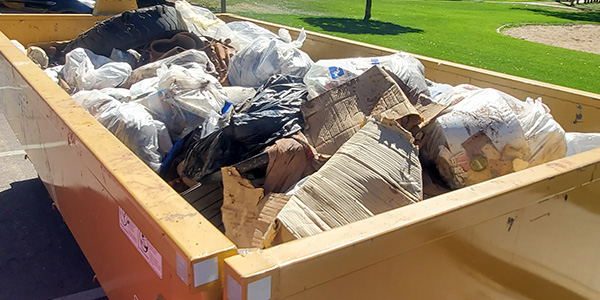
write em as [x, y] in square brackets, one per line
[363, 128]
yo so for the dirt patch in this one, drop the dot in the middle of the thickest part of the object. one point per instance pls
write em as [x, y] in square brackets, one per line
[582, 37]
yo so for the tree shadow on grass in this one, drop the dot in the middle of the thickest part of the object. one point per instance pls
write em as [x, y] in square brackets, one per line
[359, 26]
[568, 15]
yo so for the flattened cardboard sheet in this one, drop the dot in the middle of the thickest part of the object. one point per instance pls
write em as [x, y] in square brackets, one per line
[247, 214]
[376, 170]
[333, 117]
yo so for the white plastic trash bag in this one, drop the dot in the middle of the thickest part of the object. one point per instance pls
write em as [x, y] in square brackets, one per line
[454, 95]
[265, 57]
[326, 74]
[130, 56]
[189, 59]
[238, 95]
[130, 123]
[122, 95]
[203, 22]
[246, 32]
[581, 142]
[487, 133]
[144, 88]
[54, 72]
[84, 70]
[185, 99]
[437, 89]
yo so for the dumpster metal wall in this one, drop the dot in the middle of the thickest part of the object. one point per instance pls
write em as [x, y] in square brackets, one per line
[95, 181]
[525, 235]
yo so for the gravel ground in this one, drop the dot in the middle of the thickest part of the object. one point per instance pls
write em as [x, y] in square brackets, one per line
[582, 37]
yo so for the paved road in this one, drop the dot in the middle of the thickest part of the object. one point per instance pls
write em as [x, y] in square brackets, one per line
[39, 258]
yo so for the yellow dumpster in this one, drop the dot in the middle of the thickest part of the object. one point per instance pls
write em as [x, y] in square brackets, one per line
[527, 235]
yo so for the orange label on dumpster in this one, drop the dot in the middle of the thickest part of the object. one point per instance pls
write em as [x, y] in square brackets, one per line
[140, 242]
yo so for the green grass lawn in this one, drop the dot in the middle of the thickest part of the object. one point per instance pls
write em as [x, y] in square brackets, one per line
[459, 31]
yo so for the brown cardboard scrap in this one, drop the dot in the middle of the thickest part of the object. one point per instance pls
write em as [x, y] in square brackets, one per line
[247, 214]
[432, 186]
[264, 230]
[333, 117]
[290, 159]
[240, 207]
[427, 108]
[376, 170]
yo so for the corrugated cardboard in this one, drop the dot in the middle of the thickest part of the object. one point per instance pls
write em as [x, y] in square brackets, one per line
[247, 214]
[333, 117]
[427, 108]
[376, 170]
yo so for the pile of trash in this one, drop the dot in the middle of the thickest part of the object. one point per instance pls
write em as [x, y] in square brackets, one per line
[296, 147]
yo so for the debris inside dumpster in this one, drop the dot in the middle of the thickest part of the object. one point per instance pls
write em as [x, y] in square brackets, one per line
[290, 159]
[376, 170]
[282, 147]
[203, 22]
[265, 57]
[190, 59]
[329, 73]
[246, 32]
[335, 116]
[272, 114]
[130, 56]
[130, 123]
[185, 99]
[580, 142]
[84, 70]
[38, 56]
[486, 133]
[249, 214]
[54, 73]
[130, 30]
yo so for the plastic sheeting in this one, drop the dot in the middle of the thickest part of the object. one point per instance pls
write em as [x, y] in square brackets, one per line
[84, 70]
[273, 113]
[486, 133]
[130, 123]
[265, 57]
[326, 74]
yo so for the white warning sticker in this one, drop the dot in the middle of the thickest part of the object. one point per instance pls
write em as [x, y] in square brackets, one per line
[182, 269]
[140, 242]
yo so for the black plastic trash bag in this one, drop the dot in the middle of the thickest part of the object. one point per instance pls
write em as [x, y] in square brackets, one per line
[272, 114]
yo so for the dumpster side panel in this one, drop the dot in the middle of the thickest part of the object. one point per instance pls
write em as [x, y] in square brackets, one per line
[489, 261]
[524, 235]
[55, 27]
[95, 181]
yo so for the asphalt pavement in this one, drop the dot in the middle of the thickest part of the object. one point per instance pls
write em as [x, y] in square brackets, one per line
[39, 258]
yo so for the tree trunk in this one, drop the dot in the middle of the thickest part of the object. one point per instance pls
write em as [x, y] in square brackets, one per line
[368, 11]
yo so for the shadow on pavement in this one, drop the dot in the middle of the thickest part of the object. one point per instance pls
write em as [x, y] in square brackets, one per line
[39, 258]
[358, 26]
